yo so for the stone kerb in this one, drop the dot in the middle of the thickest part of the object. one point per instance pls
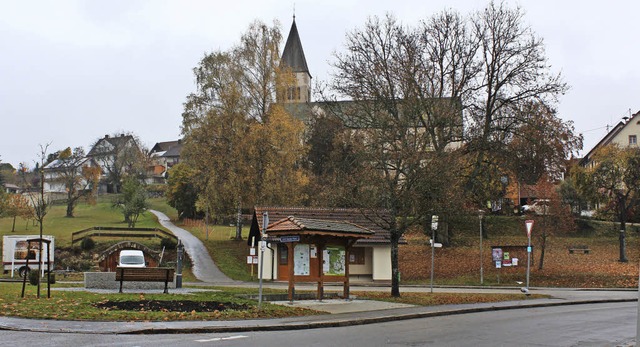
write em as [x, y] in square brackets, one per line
[107, 280]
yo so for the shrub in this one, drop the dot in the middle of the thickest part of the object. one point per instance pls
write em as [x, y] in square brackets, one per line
[168, 243]
[33, 278]
[87, 244]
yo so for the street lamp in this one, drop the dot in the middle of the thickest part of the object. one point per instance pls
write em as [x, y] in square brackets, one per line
[480, 216]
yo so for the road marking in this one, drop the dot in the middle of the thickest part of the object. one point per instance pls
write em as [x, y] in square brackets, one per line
[223, 338]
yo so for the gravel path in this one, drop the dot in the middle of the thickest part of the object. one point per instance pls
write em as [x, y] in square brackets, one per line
[204, 268]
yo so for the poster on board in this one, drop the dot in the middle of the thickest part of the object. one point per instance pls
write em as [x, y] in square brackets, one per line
[334, 261]
[301, 260]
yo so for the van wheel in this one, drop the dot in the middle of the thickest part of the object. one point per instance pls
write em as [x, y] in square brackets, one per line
[23, 271]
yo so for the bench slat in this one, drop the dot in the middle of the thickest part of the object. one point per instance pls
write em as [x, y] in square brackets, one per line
[145, 275]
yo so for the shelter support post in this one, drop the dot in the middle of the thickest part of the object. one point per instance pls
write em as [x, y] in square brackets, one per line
[290, 264]
[320, 251]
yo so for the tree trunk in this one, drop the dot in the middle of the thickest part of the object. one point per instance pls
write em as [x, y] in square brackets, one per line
[623, 228]
[69, 209]
[543, 245]
[13, 227]
[395, 270]
[239, 223]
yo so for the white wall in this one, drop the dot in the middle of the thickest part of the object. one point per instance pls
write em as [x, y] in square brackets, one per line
[382, 263]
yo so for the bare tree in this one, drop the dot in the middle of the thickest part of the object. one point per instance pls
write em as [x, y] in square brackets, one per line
[393, 151]
[39, 201]
[514, 70]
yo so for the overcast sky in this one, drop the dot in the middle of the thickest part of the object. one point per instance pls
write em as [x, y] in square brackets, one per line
[73, 71]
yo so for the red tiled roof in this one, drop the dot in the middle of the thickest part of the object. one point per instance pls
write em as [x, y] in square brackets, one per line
[372, 220]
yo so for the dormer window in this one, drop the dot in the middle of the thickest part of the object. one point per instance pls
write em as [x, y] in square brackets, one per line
[633, 140]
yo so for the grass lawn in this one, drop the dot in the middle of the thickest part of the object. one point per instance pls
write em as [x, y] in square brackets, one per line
[81, 305]
[228, 303]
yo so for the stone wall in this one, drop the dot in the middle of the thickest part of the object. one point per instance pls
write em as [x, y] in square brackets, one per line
[107, 280]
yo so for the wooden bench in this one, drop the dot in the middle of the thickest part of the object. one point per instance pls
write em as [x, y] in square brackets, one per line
[583, 249]
[145, 274]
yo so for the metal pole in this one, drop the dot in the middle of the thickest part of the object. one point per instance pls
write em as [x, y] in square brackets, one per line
[638, 317]
[528, 259]
[481, 267]
[433, 252]
[434, 226]
[180, 252]
[263, 245]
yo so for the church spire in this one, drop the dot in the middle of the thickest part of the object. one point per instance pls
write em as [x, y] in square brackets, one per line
[293, 54]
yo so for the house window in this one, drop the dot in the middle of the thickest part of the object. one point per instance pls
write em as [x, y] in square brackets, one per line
[283, 259]
[356, 256]
[633, 140]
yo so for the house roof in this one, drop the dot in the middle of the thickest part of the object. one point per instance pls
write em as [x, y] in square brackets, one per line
[318, 226]
[608, 138]
[115, 142]
[293, 54]
[174, 151]
[164, 146]
[371, 220]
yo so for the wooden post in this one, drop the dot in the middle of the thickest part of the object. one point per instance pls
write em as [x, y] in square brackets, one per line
[347, 248]
[48, 271]
[26, 272]
[320, 250]
[121, 279]
[290, 264]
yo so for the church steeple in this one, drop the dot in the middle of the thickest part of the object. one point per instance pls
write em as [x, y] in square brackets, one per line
[293, 58]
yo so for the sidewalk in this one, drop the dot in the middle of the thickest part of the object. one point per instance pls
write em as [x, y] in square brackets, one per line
[346, 312]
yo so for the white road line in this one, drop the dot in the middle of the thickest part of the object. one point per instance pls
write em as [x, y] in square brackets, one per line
[223, 338]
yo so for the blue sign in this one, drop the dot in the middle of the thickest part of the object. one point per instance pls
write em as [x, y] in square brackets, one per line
[529, 249]
[294, 238]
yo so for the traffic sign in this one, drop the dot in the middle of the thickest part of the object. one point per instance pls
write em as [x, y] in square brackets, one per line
[293, 238]
[529, 224]
[436, 245]
[434, 222]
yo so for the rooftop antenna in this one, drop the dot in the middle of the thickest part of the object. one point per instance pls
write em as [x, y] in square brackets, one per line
[294, 11]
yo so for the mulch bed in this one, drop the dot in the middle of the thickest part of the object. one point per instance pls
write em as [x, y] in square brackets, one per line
[172, 306]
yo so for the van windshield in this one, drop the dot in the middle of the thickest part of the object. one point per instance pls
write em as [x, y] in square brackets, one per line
[131, 259]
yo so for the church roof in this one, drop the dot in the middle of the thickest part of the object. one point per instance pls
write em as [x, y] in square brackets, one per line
[293, 54]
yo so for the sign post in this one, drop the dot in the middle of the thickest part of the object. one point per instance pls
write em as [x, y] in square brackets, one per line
[434, 226]
[529, 224]
[263, 245]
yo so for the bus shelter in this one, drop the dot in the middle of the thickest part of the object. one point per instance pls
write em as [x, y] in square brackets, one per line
[315, 250]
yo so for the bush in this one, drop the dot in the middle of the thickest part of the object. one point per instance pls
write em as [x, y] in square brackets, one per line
[87, 244]
[168, 243]
[33, 278]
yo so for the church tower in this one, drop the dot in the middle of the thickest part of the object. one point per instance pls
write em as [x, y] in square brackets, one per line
[293, 58]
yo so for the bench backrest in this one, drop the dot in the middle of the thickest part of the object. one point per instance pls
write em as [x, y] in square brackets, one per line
[148, 274]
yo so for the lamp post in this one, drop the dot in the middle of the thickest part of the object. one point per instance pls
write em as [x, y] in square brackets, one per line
[480, 215]
[434, 226]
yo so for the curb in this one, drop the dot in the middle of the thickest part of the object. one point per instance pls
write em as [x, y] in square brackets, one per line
[288, 326]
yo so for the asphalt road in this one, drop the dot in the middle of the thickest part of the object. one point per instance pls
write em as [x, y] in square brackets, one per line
[611, 324]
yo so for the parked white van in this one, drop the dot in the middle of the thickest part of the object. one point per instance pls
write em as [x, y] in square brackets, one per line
[131, 258]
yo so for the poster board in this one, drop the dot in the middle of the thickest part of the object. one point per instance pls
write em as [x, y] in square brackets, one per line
[301, 260]
[334, 261]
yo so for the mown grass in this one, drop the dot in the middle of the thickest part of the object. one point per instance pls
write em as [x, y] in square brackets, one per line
[80, 305]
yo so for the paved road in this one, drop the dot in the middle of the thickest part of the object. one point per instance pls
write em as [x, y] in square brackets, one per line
[202, 266]
[608, 324]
